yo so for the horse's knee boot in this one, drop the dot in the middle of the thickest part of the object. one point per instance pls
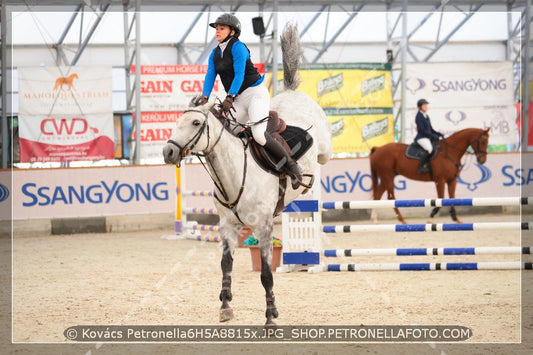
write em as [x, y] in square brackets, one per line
[281, 154]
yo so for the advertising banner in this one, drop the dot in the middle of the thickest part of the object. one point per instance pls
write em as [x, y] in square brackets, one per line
[156, 130]
[171, 87]
[65, 114]
[500, 119]
[359, 130]
[76, 192]
[464, 95]
[86, 192]
[166, 91]
[357, 99]
[359, 85]
[501, 176]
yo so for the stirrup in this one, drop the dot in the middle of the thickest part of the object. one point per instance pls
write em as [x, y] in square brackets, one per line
[301, 183]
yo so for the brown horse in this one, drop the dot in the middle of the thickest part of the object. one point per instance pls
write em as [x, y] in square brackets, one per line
[390, 160]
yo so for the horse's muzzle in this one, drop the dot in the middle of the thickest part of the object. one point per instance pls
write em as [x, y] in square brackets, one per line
[481, 159]
[171, 154]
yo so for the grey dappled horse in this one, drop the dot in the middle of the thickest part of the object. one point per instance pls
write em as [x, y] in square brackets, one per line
[198, 131]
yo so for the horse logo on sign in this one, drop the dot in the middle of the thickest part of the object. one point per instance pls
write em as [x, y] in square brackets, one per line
[69, 81]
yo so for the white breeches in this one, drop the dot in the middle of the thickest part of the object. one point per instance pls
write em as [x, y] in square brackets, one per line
[253, 104]
[426, 144]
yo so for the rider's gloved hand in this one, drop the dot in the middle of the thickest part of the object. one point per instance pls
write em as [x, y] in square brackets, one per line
[227, 104]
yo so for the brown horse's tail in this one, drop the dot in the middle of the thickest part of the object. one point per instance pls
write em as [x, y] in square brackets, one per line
[375, 180]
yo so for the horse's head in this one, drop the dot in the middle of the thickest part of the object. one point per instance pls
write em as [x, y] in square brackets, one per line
[480, 145]
[190, 135]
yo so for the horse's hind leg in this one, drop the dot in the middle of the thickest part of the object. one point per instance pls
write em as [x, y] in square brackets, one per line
[264, 235]
[228, 247]
[390, 196]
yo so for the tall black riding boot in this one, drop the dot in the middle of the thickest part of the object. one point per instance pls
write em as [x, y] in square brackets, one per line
[423, 166]
[277, 150]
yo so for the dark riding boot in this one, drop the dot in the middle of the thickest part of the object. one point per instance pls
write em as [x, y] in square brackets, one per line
[277, 150]
[423, 166]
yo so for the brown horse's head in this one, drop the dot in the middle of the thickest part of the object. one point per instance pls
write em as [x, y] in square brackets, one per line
[480, 145]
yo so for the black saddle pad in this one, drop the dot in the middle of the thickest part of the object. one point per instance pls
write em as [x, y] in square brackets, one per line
[299, 141]
[415, 151]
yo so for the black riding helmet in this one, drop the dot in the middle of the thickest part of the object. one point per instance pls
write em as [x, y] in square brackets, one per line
[421, 102]
[228, 20]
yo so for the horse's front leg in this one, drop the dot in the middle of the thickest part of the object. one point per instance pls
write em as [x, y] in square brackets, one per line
[451, 192]
[440, 194]
[228, 247]
[264, 235]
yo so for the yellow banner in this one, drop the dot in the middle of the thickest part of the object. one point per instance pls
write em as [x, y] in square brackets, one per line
[355, 130]
[357, 99]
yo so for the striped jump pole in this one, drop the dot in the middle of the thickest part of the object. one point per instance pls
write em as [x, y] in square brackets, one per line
[435, 227]
[203, 227]
[205, 238]
[200, 210]
[427, 251]
[479, 201]
[198, 193]
[503, 265]
[184, 228]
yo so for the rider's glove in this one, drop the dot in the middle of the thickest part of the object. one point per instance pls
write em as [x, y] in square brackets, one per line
[227, 104]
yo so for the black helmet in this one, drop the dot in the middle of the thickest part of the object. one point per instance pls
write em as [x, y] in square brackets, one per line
[228, 20]
[421, 102]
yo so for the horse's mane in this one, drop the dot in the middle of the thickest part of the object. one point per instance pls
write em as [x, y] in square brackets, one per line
[458, 135]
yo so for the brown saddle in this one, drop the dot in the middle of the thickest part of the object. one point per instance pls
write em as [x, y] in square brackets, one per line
[276, 127]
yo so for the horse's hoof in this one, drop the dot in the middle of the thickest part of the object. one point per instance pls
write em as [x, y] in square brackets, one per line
[226, 314]
[270, 324]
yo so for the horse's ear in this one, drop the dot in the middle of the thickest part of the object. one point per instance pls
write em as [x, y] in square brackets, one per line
[487, 130]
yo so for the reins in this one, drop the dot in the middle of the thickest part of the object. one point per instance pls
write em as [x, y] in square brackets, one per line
[206, 154]
[476, 151]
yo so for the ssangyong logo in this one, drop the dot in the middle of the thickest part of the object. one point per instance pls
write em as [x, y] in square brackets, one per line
[473, 179]
[414, 85]
[4, 192]
[455, 117]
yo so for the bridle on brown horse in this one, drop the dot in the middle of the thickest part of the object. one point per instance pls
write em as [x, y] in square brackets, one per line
[477, 152]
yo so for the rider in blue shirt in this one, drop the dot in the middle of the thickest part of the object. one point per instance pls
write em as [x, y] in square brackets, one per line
[425, 134]
[247, 95]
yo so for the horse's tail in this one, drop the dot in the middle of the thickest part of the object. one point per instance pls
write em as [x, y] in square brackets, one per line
[291, 52]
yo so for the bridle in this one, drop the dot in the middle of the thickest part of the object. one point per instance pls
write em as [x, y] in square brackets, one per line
[189, 146]
[477, 152]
